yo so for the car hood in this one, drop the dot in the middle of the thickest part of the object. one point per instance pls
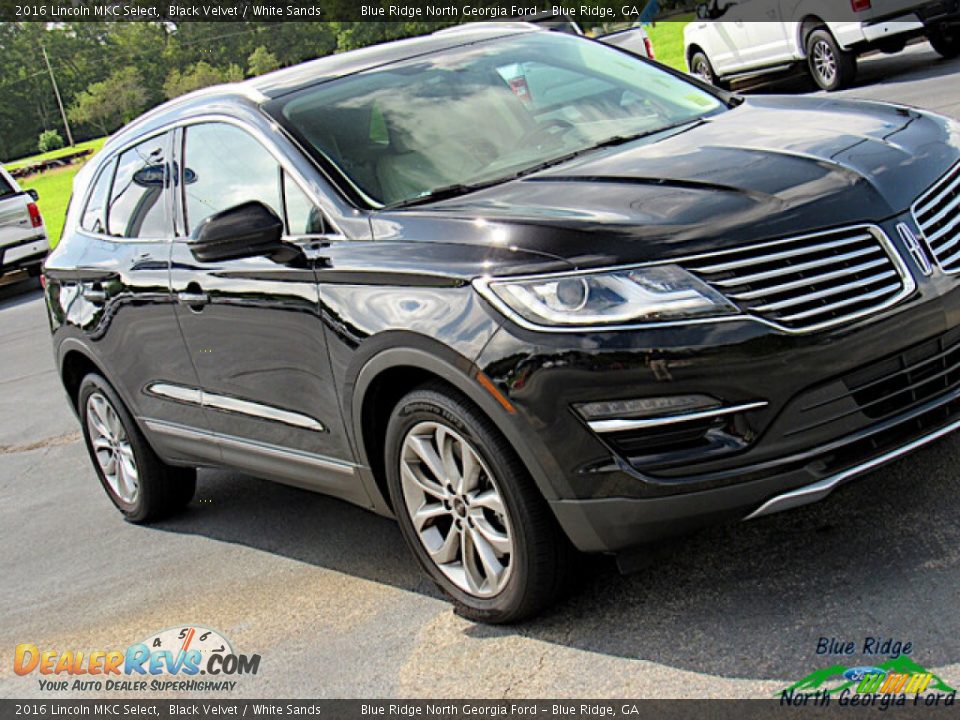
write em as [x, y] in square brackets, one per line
[772, 167]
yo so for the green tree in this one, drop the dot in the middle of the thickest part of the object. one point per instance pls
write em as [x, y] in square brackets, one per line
[49, 140]
[261, 61]
[197, 76]
[112, 102]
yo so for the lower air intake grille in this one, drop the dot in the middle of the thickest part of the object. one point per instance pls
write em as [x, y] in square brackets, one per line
[938, 215]
[812, 282]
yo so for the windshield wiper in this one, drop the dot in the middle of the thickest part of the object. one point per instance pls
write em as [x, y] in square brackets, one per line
[458, 189]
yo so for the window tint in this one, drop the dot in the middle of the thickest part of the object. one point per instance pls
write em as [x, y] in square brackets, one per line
[5, 187]
[303, 217]
[93, 215]
[136, 201]
[225, 167]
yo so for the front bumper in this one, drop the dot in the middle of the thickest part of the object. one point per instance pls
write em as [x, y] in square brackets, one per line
[616, 524]
[838, 403]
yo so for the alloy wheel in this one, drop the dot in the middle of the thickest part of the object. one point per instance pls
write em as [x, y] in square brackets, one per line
[456, 509]
[112, 448]
[825, 62]
[703, 72]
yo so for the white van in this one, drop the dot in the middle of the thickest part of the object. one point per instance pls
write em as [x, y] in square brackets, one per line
[732, 40]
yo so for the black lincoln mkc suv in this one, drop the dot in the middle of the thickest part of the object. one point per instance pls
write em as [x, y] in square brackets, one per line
[528, 293]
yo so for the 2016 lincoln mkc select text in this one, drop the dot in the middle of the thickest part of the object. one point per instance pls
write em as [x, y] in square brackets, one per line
[526, 292]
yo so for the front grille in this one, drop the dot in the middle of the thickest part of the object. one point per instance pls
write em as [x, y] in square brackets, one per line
[912, 377]
[938, 216]
[887, 387]
[811, 282]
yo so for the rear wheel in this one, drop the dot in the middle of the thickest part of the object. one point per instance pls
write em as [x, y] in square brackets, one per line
[141, 486]
[831, 67]
[945, 39]
[470, 511]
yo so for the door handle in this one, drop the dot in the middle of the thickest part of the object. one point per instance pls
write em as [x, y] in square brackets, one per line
[94, 293]
[193, 297]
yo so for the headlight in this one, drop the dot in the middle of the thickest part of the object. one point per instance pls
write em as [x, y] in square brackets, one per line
[631, 296]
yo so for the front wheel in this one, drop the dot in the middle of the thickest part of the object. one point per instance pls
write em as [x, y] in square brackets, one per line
[141, 486]
[469, 510]
[945, 39]
[701, 67]
[831, 67]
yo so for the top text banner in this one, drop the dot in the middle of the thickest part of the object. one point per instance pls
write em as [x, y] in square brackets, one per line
[586, 14]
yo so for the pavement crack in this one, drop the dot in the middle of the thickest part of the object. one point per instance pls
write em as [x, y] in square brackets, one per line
[49, 442]
[541, 661]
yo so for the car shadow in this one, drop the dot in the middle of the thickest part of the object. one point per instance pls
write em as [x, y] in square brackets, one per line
[879, 558]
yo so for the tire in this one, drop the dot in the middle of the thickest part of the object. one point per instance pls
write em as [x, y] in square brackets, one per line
[141, 486]
[701, 67]
[831, 67]
[530, 550]
[945, 40]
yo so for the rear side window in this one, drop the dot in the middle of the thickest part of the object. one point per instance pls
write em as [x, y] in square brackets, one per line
[5, 187]
[225, 167]
[93, 219]
[137, 208]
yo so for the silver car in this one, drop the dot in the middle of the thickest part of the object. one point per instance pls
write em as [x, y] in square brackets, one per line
[23, 238]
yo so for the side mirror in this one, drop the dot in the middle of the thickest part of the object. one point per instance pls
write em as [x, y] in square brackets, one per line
[246, 230]
[33, 194]
[703, 12]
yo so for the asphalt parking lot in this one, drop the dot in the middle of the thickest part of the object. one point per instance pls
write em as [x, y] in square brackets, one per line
[329, 597]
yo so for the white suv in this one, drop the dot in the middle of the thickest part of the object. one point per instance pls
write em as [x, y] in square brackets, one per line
[732, 40]
[23, 238]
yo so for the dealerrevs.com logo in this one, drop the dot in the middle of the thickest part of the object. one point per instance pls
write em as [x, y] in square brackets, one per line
[171, 660]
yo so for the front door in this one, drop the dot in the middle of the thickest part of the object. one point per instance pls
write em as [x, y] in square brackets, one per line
[252, 325]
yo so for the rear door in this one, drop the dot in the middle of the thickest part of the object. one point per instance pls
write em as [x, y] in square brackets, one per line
[113, 280]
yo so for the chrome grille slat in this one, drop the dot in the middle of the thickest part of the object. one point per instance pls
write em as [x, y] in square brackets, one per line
[811, 282]
[935, 195]
[792, 269]
[842, 303]
[937, 214]
[948, 228]
[835, 290]
[952, 258]
[724, 267]
[805, 282]
[949, 244]
[951, 207]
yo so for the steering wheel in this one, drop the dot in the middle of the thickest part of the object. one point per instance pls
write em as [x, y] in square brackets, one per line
[555, 126]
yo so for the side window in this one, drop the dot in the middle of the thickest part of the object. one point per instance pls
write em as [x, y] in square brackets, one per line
[137, 208]
[5, 187]
[93, 219]
[225, 166]
[303, 217]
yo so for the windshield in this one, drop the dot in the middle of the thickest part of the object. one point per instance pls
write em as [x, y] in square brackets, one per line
[484, 112]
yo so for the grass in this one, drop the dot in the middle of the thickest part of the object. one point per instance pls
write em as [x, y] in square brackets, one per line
[667, 38]
[87, 145]
[54, 188]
